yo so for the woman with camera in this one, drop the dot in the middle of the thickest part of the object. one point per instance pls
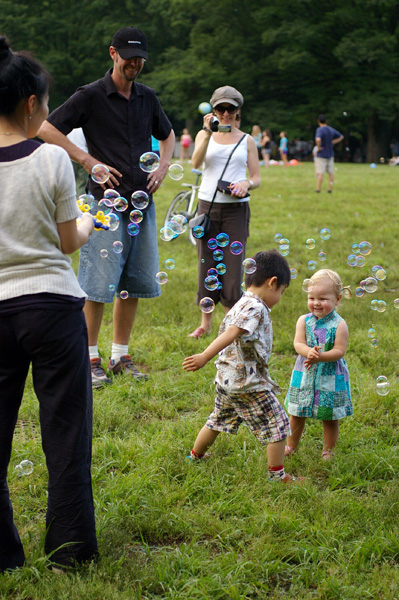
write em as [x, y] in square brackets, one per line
[227, 154]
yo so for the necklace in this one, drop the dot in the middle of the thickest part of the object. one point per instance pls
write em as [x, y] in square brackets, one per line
[8, 133]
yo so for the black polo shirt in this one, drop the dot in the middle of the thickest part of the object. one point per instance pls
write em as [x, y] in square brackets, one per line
[117, 130]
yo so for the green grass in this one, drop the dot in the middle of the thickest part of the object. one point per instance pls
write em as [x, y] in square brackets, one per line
[172, 530]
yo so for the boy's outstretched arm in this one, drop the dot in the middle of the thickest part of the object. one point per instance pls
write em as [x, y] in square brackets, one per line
[197, 361]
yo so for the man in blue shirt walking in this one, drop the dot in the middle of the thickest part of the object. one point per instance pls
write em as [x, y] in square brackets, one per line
[326, 137]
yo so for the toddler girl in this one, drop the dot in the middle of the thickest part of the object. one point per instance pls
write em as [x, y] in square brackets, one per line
[319, 386]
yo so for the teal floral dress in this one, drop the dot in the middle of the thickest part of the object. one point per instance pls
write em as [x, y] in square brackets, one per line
[323, 391]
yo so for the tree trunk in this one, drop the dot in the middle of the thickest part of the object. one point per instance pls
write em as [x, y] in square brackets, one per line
[378, 137]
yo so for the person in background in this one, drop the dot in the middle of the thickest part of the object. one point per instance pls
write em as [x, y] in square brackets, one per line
[41, 318]
[256, 133]
[283, 148]
[326, 137]
[266, 144]
[230, 211]
[118, 117]
[185, 143]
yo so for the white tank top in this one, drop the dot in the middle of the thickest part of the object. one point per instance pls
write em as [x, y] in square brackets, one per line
[215, 160]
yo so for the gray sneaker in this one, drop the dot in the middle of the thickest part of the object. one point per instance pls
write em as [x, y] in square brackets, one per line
[125, 365]
[98, 376]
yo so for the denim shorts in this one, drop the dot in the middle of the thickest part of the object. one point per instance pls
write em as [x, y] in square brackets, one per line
[133, 270]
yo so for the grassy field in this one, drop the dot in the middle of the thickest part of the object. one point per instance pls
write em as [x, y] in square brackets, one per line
[173, 530]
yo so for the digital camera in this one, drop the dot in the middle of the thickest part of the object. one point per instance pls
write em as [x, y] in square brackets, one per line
[216, 126]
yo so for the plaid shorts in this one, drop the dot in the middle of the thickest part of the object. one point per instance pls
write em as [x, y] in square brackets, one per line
[260, 411]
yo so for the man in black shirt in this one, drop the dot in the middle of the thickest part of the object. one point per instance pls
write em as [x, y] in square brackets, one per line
[118, 117]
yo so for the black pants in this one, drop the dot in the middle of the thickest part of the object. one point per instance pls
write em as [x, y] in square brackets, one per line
[55, 343]
[232, 219]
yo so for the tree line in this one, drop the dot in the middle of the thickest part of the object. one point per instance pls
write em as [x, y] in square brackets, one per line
[291, 60]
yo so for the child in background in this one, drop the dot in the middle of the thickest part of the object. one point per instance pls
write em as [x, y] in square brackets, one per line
[283, 148]
[319, 386]
[244, 389]
[185, 142]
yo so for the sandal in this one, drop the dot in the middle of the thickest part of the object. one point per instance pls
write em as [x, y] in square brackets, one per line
[327, 454]
[199, 332]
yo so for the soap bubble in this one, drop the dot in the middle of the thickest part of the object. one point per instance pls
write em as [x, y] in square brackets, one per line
[325, 233]
[207, 305]
[346, 293]
[360, 261]
[140, 199]
[374, 343]
[106, 205]
[236, 248]
[365, 248]
[104, 253]
[212, 244]
[111, 287]
[369, 284]
[136, 216]
[211, 283]
[278, 237]
[175, 227]
[312, 264]
[167, 234]
[198, 231]
[382, 385]
[382, 306]
[204, 108]
[310, 243]
[176, 172]
[25, 467]
[371, 333]
[322, 256]
[243, 286]
[222, 240]
[249, 265]
[294, 273]
[85, 199]
[117, 247]
[351, 260]
[218, 255]
[307, 285]
[284, 242]
[161, 277]
[212, 272]
[374, 304]
[284, 249]
[133, 229]
[221, 268]
[100, 173]
[379, 272]
[149, 162]
[170, 263]
[396, 303]
[181, 222]
[121, 204]
[359, 292]
[111, 194]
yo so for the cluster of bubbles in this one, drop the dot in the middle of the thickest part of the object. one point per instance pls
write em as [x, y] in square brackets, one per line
[357, 258]
[25, 467]
[284, 249]
[85, 203]
[173, 228]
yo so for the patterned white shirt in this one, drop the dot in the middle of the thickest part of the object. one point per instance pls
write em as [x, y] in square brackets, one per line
[243, 365]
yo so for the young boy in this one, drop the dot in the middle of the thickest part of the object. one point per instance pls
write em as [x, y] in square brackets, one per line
[244, 389]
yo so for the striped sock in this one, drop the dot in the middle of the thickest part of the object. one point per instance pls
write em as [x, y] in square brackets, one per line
[276, 473]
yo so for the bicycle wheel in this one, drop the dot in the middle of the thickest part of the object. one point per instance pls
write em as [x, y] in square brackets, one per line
[179, 206]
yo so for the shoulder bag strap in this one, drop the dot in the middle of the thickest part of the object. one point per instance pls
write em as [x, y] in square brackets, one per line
[224, 170]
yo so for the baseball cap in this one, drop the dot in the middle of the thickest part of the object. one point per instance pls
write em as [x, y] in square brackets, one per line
[130, 41]
[227, 94]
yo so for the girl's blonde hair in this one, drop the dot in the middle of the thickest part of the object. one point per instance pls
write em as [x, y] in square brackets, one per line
[335, 280]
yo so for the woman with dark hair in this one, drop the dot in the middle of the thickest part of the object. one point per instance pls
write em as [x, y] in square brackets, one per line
[41, 319]
[229, 152]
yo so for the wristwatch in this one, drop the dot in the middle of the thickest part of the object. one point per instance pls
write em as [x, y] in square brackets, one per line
[207, 129]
